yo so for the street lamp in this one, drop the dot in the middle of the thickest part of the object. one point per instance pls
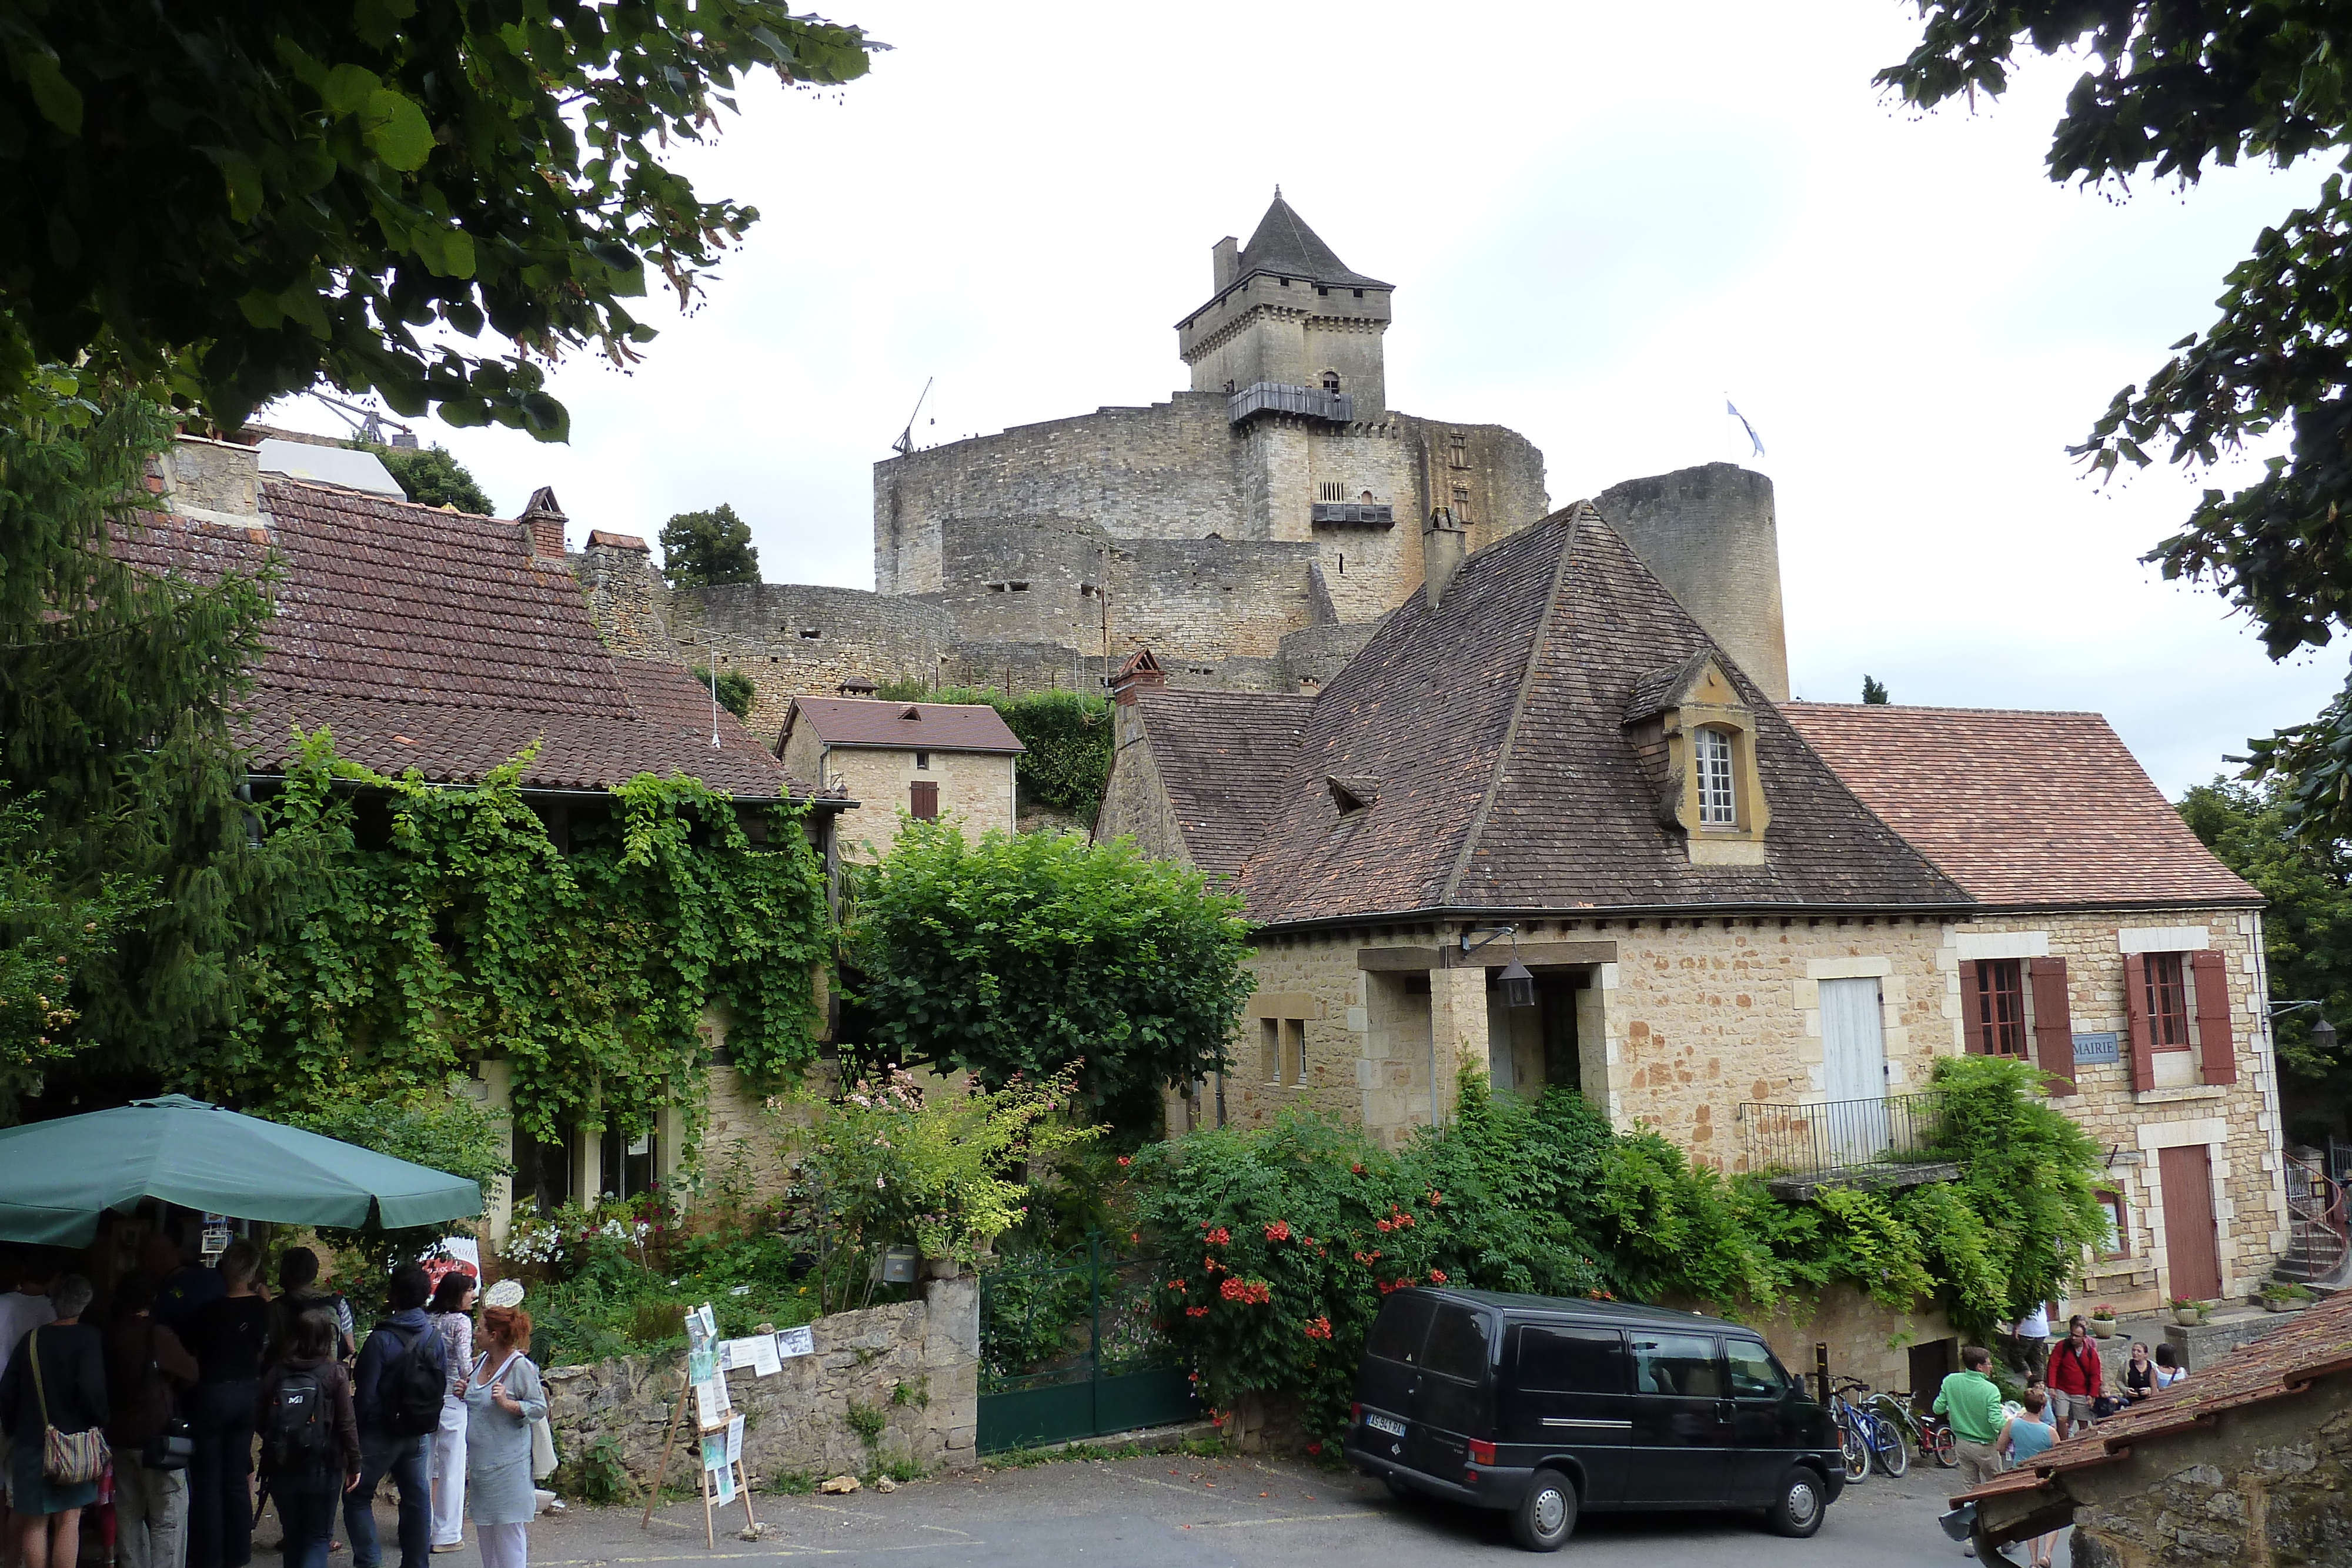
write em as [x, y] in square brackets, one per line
[1518, 985]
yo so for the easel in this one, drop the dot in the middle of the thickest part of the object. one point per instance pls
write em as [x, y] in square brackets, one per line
[699, 1342]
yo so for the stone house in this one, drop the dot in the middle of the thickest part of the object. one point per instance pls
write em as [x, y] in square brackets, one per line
[1751, 923]
[926, 759]
[445, 644]
[2246, 1461]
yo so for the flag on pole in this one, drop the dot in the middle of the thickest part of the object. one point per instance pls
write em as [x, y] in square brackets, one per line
[1733, 410]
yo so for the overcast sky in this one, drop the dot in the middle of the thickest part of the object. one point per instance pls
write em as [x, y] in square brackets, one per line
[1599, 220]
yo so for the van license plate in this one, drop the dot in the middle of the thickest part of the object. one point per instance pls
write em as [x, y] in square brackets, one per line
[1383, 1424]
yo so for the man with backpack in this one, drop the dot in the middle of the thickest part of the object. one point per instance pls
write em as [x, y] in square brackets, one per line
[309, 1437]
[402, 1376]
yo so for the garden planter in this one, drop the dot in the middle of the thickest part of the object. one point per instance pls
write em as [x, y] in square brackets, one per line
[2188, 1316]
[2271, 1305]
[2104, 1327]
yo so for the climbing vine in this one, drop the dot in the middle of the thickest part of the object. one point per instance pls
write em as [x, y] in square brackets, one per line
[430, 928]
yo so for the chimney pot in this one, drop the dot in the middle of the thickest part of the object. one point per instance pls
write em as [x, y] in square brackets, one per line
[1443, 545]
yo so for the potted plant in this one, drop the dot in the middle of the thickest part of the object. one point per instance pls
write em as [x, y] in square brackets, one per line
[2284, 1296]
[2103, 1320]
[2186, 1312]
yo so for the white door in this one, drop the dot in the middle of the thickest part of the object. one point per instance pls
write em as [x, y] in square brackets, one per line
[1854, 1071]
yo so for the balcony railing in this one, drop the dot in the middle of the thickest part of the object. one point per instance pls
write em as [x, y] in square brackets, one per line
[1840, 1135]
[1273, 397]
[1354, 515]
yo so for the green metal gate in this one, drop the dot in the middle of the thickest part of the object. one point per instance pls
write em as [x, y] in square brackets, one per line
[1068, 1351]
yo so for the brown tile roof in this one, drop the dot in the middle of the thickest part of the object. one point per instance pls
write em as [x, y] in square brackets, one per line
[1222, 757]
[2280, 1364]
[1496, 725]
[867, 721]
[2020, 808]
[432, 639]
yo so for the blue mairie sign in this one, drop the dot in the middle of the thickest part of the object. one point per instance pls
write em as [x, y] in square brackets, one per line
[2096, 1047]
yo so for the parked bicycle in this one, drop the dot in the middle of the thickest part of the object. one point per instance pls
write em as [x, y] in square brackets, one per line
[1928, 1433]
[1881, 1441]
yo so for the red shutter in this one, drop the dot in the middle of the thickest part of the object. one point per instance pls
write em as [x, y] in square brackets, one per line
[923, 800]
[2142, 1039]
[2053, 1022]
[2216, 1045]
[1972, 998]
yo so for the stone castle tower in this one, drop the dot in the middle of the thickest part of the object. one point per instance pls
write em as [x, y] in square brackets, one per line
[1251, 531]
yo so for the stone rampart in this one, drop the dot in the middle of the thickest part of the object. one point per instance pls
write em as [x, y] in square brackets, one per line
[916, 1363]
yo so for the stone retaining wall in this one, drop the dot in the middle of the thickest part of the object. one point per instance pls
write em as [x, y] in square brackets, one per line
[915, 1362]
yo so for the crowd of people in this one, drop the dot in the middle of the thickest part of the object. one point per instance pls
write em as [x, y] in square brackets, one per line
[218, 1399]
[2066, 1393]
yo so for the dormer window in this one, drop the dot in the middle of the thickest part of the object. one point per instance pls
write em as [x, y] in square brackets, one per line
[1718, 792]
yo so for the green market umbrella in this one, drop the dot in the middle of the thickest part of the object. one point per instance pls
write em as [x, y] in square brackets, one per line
[57, 1177]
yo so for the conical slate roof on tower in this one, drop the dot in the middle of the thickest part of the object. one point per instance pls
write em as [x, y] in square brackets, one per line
[1284, 247]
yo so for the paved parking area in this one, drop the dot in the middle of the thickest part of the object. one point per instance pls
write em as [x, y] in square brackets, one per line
[1178, 1511]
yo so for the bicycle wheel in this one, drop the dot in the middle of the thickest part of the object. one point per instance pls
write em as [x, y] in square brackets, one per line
[1887, 1447]
[1855, 1451]
[1948, 1448]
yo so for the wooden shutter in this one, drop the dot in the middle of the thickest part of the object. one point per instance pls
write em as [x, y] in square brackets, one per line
[923, 800]
[2143, 1037]
[2216, 1045]
[1980, 1033]
[2053, 1022]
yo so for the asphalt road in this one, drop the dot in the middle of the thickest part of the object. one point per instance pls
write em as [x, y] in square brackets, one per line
[1177, 1511]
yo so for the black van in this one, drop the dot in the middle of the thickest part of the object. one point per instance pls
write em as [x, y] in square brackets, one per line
[1546, 1407]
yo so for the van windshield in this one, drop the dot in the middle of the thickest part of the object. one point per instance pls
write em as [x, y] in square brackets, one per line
[1398, 1332]
[1457, 1345]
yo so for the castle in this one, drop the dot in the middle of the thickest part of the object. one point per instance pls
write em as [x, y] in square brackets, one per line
[1251, 531]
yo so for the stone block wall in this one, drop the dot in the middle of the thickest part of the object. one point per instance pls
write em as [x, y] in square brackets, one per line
[1196, 601]
[975, 788]
[916, 1362]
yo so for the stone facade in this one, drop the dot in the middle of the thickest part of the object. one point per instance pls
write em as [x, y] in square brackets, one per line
[915, 1362]
[976, 789]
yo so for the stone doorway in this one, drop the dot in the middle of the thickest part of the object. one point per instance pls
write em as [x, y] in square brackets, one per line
[1532, 1049]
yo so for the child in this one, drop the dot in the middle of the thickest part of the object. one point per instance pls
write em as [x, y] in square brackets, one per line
[2025, 1436]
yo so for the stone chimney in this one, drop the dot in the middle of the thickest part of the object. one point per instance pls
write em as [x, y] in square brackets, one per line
[212, 482]
[1443, 545]
[542, 525]
[857, 686]
[1224, 262]
[1141, 670]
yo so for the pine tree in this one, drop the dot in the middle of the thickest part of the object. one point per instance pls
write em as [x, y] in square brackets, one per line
[700, 550]
[1874, 690]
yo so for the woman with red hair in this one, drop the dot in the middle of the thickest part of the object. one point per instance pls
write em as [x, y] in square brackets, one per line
[503, 1397]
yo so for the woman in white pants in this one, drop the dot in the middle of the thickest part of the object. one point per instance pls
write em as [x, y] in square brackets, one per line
[503, 1397]
[452, 1303]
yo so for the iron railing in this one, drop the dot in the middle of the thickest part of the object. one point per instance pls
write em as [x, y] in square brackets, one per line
[1840, 1135]
[1273, 397]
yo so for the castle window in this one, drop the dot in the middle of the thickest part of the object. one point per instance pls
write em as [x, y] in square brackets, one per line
[1018, 587]
[1286, 282]
[1717, 797]
[1331, 380]
[1333, 490]
[1461, 451]
[1320, 290]
[808, 634]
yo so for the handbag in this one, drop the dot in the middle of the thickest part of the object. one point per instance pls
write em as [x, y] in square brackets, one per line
[68, 1458]
[172, 1446]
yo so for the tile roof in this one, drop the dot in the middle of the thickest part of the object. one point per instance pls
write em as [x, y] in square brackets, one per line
[434, 640]
[2280, 1364]
[1222, 757]
[937, 727]
[1495, 723]
[2045, 809]
[1284, 245]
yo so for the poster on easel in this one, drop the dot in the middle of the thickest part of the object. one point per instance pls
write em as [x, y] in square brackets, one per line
[719, 1429]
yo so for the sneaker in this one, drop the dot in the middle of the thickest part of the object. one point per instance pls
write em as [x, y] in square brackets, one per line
[1969, 1550]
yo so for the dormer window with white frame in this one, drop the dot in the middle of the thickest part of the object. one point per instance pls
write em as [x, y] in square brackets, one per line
[1719, 789]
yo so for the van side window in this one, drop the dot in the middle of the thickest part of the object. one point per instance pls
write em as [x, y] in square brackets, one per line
[1457, 1345]
[1571, 1361]
[1754, 1374]
[1676, 1364]
[1398, 1332]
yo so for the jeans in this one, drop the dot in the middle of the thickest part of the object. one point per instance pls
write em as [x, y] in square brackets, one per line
[220, 1476]
[406, 1460]
[308, 1513]
[151, 1513]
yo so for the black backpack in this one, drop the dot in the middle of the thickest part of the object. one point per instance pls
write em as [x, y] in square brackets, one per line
[299, 1436]
[409, 1390]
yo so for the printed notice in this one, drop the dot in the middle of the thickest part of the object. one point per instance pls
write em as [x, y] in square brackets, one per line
[791, 1342]
[764, 1360]
[734, 1439]
[710, 1406]
[726, 1492]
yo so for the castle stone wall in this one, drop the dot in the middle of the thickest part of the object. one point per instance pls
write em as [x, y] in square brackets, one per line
[1711, 536]
[1195, 602]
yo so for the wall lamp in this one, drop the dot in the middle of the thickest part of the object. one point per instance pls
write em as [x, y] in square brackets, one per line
[2322, 1033]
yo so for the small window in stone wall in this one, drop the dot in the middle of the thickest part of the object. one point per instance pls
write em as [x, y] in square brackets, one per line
[1717, 797]
[1997, 1007]
[923, 801]
[1332, 490]
[1461, 457]
[1018, 587]
[2117, 1242]
[2168, 1001]
[1331, 380]
[808, 634]
[923, 761]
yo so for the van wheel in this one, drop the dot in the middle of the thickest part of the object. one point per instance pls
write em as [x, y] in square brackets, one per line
[1796, 1507]
[1399, 1491]
[1545, 1517]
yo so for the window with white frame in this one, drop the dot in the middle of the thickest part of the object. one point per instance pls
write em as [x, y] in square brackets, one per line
[1717, 799]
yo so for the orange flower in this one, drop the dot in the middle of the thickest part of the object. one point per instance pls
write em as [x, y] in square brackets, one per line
[1279, 1231]
[1437, 1276]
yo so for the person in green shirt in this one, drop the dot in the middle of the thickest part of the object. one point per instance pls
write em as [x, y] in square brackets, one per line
[1971, 1399]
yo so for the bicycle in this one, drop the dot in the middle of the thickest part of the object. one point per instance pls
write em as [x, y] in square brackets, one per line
[1929, 1433]
[1882, 1440]
[1852, 1447]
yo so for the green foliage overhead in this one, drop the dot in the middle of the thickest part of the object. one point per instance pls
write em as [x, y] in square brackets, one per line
[247, 199]
[735, 691]
[1023, 953]
[1874, 691]
[2306, 928]
[1067, 736]
[115, 740]
[2174, 88]
[49, 936]
[440, 1126]
[456, 929]
[1280, 1244]
[701, 550]
[432, 477]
